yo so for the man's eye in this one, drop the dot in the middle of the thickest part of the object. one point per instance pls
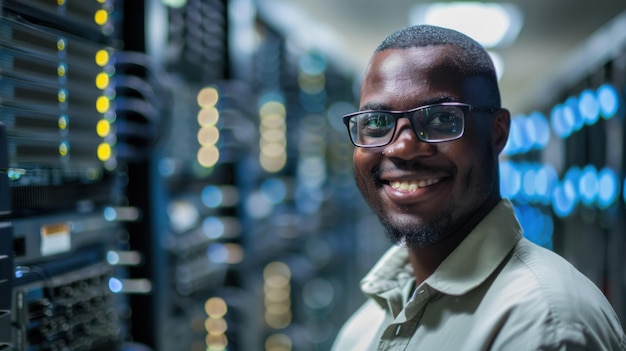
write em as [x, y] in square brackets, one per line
[376, 121]
[375, 125]
[442, 119]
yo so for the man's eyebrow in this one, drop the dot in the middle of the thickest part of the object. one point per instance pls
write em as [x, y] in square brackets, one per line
[384, 107]
[375, 106]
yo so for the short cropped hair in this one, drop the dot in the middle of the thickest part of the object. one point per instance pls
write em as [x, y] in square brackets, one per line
[473, 59]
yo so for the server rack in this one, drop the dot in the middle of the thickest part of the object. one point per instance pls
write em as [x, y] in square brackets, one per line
[59, 178]
[581, 109]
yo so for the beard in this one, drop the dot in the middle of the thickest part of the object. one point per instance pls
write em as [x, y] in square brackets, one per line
[415, 233]
[479, 184]
[418, 235]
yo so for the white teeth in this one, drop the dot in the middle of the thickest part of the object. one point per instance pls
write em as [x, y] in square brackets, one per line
[413, 185]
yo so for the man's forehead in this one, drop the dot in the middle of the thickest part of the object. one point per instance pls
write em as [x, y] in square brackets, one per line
[415, 63]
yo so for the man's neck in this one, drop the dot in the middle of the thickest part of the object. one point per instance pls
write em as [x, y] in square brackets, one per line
[425, 260]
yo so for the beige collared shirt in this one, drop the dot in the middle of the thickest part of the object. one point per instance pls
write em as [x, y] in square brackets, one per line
[495, 291]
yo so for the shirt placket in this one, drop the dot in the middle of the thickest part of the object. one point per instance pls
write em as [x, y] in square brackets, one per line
[398, 334]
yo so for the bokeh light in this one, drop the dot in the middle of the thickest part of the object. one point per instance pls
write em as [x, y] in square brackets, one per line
[608, 100]
[608, 188]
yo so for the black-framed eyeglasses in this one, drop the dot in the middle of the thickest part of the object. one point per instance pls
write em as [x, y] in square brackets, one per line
[432, 123]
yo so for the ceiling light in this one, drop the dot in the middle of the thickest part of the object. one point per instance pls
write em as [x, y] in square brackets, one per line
[175, 3]
[491, 24]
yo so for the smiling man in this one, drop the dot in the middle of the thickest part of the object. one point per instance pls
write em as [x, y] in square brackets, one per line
[461, 276]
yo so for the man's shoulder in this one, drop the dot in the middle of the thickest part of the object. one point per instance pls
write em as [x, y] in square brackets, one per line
[539, 285]
[360, 332]
[549, 272]
[545, 275]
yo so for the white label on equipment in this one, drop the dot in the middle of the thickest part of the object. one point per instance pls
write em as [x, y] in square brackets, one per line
[55, 238]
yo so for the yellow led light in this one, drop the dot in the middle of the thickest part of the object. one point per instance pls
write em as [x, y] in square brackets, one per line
[311, 84]
[278, 321]
[272, 108]
[273, 295]
[215, 326]
[60, 2]
[278, 309]
[272, 149]
[64, 149]
[273, 164]
[102, 80]
[62, 122]
[273, 121]
[276, 268]
[208, 116]
[103, 104]
[207, 97]
[61, 70]
[101, 17]
[208, 156]
[62, 95]
[102, 58]
[104, 152]
[276, 135]
[61, 44]
[103, 128]
[208, 135]
[278, 342]
[215, 307]
[216, 342]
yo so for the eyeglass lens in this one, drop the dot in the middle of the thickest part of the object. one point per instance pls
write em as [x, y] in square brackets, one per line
[430, 124]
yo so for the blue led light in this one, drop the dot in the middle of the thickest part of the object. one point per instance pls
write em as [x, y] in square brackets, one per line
[588, 185]
[542, 129]
[514, 142]
[115, 285]
[561, 126]
[313, 64]
[212, 196]
[274, 189]
[589, 107]
[565, 195]
[538, 227]
[510, 179]
[548, 230]
[572, 112]
[529, 130]
[572, 178]
[608, 188]
[110, 214]
[562, 204]
[624, 194]
[167, 167]
[608, 101]
[19, 272]
[217, 253]
[213, 227]
[528, 183]
[545, 180]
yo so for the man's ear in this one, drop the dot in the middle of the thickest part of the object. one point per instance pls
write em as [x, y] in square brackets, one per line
[501, 128]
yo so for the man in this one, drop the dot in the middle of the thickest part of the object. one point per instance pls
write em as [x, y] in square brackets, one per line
[461, 276]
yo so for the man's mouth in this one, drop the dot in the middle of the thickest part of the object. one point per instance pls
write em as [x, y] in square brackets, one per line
[412, 185]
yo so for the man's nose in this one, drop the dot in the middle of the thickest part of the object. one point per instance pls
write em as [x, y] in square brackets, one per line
[405, 143]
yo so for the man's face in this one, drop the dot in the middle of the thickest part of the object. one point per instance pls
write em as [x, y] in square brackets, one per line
[425, 192]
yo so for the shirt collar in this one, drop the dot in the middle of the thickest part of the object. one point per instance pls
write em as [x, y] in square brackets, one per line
[480, 253]
[470, 264]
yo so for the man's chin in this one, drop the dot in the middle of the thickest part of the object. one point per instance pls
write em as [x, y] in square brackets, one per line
[413, 237]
